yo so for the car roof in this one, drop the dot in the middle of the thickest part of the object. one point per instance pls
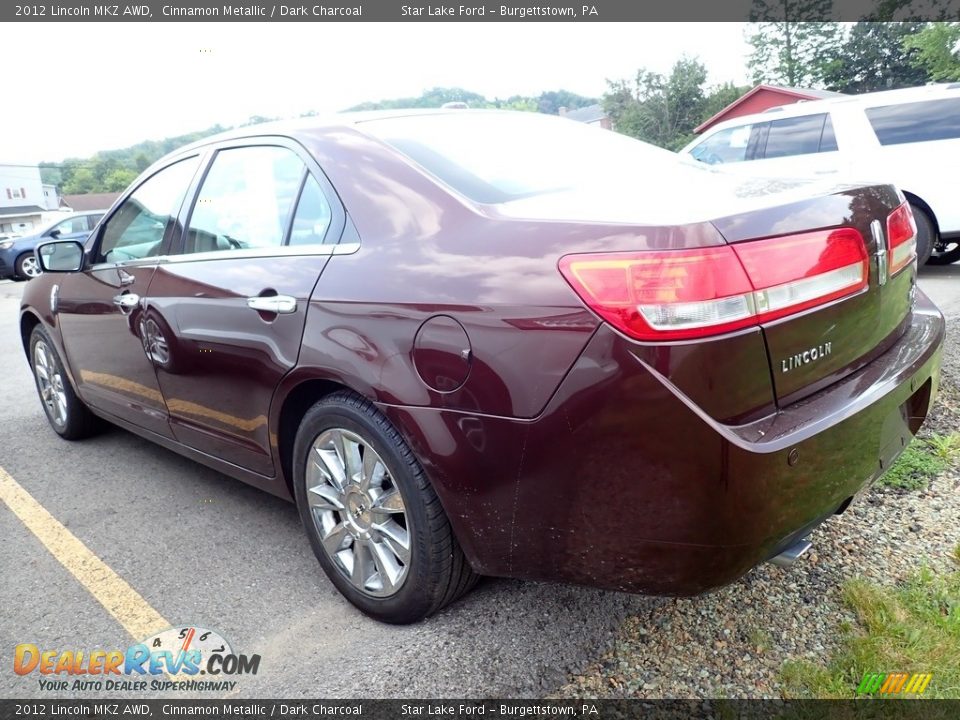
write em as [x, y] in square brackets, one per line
[812, 107]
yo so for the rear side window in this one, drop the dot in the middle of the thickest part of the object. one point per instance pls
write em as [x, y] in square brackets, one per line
[797, 136]
[137, 228]
[828, 140]
[312, 221]
[916, 122]
[246, 200]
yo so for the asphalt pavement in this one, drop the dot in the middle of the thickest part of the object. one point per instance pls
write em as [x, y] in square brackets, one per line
[204, 550]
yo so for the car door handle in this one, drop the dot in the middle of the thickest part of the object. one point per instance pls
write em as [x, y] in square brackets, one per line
[279, 304]
[126, 301]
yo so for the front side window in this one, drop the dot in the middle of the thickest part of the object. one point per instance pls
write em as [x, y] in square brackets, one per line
[727, 146]
[795, 136]
[245, 200]
[916, 122]
[70, 226]
[137, 228]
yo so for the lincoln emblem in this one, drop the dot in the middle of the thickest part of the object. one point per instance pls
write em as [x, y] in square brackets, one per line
[806, 357]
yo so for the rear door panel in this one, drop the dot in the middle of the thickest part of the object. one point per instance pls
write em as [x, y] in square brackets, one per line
[226, 359]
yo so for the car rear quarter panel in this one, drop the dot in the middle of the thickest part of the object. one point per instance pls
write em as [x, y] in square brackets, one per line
[424, 251]
[623, 482]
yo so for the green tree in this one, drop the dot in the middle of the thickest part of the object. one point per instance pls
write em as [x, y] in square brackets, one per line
[112, 170]
[937, 50]
[875, 56]
[433, 98]
[118, 179]
[515, 102]
[548, 102]
[792, 45]
[551, 101]
[659, 109]
[82, 181]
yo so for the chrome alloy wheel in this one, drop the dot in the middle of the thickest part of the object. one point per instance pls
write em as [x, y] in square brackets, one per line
[154, 343]
[359, 512]
[50, 383]
[29, 267]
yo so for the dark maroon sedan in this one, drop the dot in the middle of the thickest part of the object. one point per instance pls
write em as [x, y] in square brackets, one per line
[480, 343]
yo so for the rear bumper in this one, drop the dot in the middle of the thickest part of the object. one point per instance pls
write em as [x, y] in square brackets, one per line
[623, 482]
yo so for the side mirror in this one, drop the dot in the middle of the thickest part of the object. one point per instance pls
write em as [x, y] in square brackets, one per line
[60, 256]
[55, 233]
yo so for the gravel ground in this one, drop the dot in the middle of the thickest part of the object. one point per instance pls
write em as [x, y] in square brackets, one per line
[733, 643]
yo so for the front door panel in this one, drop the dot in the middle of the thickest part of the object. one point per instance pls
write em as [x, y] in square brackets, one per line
[99, 311]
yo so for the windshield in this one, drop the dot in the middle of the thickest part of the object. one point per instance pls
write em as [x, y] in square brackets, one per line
[496, 157]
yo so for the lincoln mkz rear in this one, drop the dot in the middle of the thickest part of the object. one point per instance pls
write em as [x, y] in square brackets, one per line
[477, 343]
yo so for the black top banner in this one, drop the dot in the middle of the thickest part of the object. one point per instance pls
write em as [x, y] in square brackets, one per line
[481, 11]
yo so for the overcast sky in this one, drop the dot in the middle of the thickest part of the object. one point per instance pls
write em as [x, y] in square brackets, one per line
[73, 89]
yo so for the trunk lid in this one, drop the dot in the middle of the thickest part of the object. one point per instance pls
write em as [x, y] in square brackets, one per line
[812, 349]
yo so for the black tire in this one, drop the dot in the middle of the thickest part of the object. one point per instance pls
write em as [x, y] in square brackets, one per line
[78, 422]
[926, 235]
[20, 272]
[437, 572]
[945, 252]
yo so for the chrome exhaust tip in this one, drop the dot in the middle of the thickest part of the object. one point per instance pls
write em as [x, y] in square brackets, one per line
[793, 553]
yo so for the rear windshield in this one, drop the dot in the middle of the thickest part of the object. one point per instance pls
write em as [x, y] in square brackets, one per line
[916, 121]
[493, 157]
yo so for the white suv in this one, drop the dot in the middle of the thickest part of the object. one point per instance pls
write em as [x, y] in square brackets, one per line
[909, 137]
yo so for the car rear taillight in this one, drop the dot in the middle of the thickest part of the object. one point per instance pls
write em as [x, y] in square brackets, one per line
[681, 294]
[901, 238]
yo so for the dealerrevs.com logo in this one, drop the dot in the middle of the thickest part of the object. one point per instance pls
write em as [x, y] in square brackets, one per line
[185, 658]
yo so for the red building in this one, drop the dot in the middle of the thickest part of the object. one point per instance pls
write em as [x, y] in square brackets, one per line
[764, 97]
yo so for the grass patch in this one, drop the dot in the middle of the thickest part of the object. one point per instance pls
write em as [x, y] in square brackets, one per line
[945, 447]
[760, 640]
[914, 628]
[922, 461]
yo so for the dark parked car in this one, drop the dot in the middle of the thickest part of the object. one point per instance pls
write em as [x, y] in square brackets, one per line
[479, 343]
[17, 259]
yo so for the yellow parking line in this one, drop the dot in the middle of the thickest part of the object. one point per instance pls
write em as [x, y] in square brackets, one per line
[113, 592]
